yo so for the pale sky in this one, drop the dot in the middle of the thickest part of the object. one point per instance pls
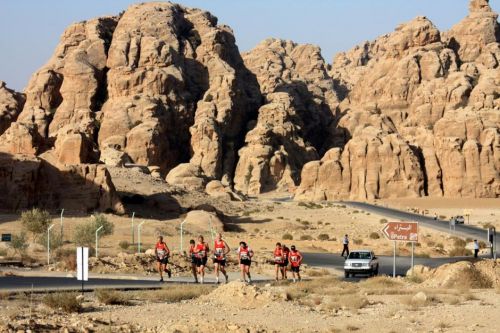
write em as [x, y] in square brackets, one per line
[30, 29]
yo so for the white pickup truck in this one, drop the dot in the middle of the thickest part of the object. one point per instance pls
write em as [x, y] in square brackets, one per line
[361, 262]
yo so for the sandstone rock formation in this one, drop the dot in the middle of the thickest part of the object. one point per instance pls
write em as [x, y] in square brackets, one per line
[11, 104]
[293, 124]
[415, 112]
[438, 92]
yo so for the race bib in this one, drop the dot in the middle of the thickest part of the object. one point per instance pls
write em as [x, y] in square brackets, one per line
[278, 259]
[202, 254]
[244, 256]
[294, 258]
[161, 253]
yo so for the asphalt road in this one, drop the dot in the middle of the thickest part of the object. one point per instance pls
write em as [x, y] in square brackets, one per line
[440, 225]
[403, 264]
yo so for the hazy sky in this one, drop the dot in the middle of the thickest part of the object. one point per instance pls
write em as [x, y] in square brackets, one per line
[30, 29]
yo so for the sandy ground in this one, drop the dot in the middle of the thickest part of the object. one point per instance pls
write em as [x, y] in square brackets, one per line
[342, 307]
[261, 223]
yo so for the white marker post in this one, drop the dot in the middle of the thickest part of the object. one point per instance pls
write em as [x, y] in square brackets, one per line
[133, 215]
[82, 264]
[97, 241]
[48, 243]
[139, 227]
[62, 213]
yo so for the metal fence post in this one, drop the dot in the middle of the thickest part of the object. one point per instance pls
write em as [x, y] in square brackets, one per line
[48, 243]
[97, 241]
[139, 227]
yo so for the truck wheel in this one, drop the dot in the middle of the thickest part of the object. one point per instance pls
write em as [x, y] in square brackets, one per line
[375, 272]
[346, 275]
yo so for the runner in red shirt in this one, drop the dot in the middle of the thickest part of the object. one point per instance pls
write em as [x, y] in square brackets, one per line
[221, 249]
[279, 260]
[192, 255]
[295, 260]
[201, 251]
[245, 255]
[162, 252]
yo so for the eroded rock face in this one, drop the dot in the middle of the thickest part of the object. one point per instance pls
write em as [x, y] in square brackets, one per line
[42, 181]
[293, 125]
[415, 112]
[11, 104]
[438, 92]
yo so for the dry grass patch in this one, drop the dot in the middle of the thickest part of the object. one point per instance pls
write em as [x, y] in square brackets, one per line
[66, 302]
[174, 293]
[112, 297]
[317, 272]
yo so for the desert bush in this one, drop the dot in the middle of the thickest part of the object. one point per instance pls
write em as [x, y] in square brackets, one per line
[355, 211]
[66, 302]
[422, 255]
[85, 233]
[323, 237]
[306, 237]
[414, 279]
[317, 272]
[442, 217]
[287, 236]
[383, 221]
[280, 218]
[35, 221]
[56, 240]
[305, 223]
[440, 246]
[458, 242]
[124, 245]
[19, 243]
[352, 328]
[431, 243]
[173, 295]
[358, 241]
[459, 252]
[487, 225]
[67, 258]
[3, 252]
[374, 235]
[112, 297]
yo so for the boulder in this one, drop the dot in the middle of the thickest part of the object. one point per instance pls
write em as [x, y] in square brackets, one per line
[188, 176]
[202, 221]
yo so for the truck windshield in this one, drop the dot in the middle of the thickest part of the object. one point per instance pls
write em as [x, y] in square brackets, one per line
[360, 255]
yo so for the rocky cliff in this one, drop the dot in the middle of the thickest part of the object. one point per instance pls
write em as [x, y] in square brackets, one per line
[413, 113]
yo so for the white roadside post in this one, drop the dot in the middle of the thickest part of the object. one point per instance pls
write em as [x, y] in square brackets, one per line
[48, 243]
[182, 231]
[139, 236]
[394, 262]
[133, 215]
[97, 241]
[62, 213]
[82, 264]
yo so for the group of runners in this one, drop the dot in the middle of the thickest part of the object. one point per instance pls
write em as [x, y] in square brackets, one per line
[199, 253]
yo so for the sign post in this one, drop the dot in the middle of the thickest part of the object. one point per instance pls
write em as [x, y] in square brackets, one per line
[401, 232]
[82, 265]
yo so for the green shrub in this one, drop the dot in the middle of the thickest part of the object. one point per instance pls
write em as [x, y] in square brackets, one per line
[306, 237]
[85, 233]
[287, 237]
[124, 245]
[66, 302]
[56, 240]
[19, 243]
[374, 235]
[323, 237]
[35, 221]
